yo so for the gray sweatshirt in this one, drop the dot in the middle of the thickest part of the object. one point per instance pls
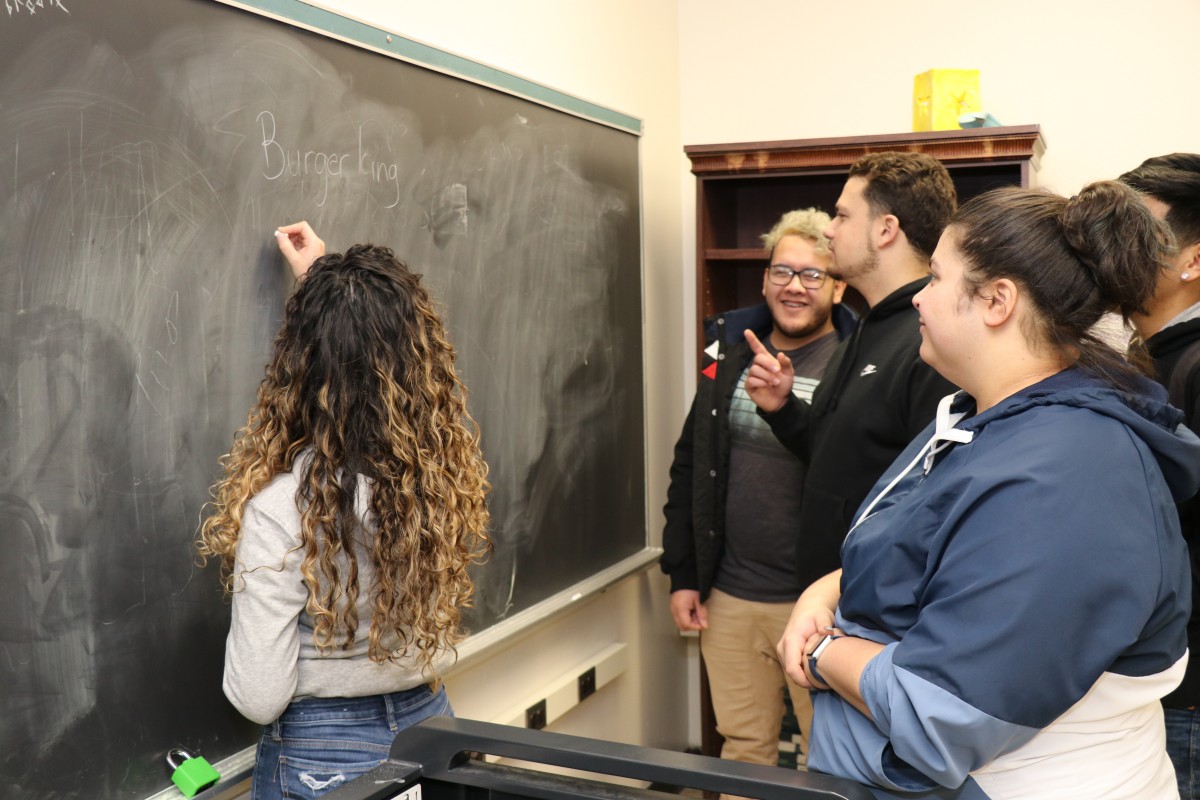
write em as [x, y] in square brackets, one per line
[270, 656]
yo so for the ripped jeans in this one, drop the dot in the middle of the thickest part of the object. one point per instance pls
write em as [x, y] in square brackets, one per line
[320, 743]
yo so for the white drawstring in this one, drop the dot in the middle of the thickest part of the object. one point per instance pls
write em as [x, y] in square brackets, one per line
[944, 435]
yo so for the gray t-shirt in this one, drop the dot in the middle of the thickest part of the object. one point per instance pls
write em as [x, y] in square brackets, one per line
[762, 506]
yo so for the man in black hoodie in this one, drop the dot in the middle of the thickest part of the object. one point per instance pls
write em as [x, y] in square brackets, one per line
[1171, 330]
[876, 393]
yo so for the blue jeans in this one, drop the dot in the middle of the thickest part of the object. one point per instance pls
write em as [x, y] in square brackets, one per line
[320, 743]
[1183, 741]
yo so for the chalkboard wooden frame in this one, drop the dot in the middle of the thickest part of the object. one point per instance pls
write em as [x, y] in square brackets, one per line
[105, 344]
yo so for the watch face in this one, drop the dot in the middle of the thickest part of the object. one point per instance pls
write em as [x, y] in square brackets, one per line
[821, 645]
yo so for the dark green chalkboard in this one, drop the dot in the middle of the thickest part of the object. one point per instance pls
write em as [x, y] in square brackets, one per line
[148, 148]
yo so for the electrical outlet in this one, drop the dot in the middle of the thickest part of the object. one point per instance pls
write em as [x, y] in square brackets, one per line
[535, 715]
[587, 684]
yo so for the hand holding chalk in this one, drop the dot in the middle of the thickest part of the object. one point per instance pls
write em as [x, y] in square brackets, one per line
[300, 246]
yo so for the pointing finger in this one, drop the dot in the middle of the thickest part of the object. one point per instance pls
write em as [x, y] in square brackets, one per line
[755, 345]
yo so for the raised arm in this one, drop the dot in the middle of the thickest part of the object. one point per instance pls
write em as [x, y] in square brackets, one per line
[769, 381]
[769, 384]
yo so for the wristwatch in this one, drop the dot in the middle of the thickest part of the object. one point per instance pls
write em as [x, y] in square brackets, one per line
[816, 654]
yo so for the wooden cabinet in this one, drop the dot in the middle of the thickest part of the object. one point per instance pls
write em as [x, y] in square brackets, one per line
[742, 190]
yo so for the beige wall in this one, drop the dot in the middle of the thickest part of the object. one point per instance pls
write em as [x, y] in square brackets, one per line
[1111, 82]
[622, 54]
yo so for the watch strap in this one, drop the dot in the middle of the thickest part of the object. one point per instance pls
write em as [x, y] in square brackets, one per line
[816, 655]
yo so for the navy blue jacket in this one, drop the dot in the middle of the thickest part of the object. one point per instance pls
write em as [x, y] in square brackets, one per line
[1032, 589]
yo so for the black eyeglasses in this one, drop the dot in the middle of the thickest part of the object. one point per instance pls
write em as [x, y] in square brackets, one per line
[810, 277]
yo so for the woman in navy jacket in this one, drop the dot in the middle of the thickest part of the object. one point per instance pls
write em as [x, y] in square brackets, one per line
[1015, 592]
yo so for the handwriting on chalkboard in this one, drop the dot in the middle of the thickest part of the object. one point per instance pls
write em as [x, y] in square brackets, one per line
[31, 7]
[295, 162]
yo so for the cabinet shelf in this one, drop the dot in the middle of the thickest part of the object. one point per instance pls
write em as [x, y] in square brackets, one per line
[735, 254]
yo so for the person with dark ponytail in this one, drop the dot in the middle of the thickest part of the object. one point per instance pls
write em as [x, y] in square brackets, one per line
[351, 506]
[1015, 591]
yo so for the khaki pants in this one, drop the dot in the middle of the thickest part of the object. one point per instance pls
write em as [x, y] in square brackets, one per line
[746, 679]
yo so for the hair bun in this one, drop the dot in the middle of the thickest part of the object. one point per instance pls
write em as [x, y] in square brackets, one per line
[1118, 241]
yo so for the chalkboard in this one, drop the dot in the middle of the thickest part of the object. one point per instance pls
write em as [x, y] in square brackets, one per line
[148, 149]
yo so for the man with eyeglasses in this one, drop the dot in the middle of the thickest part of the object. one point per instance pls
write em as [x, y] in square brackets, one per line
[876, 394]
[731, 510]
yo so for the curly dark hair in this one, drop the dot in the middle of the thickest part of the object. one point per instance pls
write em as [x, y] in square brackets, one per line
[913, 187]
[362, 386]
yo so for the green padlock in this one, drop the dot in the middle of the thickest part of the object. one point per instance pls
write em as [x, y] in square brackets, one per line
[191, 773]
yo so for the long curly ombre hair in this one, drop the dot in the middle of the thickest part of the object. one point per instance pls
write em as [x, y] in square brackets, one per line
[362, 385]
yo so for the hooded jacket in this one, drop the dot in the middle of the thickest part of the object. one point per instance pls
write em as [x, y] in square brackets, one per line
[1025, 571]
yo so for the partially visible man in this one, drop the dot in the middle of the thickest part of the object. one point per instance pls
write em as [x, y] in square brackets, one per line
[732, 507]
[1170, 186]
[876, 394]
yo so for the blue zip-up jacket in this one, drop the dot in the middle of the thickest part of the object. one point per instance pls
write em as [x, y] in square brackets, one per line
[1025, 570]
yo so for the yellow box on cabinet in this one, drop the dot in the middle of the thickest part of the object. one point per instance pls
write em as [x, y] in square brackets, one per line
[940, 96]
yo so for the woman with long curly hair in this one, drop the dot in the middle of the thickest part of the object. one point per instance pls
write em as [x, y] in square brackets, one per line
[351, 507]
